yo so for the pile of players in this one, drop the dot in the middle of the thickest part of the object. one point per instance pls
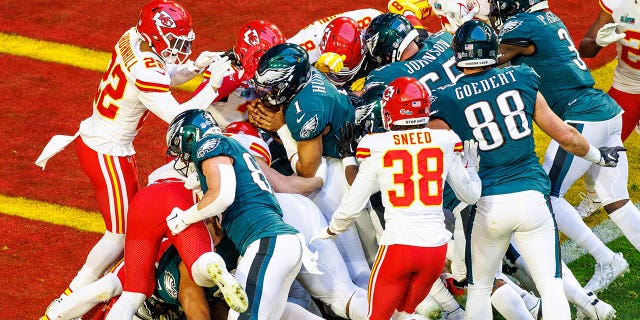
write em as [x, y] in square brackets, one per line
[365, 168]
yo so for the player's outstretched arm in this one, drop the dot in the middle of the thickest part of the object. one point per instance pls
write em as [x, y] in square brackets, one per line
[589, 48]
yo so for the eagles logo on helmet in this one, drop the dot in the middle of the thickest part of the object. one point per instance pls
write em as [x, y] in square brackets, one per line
[186, 129]
[388, 36]
[283, 70]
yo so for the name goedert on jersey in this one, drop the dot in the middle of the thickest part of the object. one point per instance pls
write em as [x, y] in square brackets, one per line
[484, 85]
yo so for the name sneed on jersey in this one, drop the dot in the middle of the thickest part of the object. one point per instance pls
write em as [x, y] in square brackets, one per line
[420, 137]
[484, 85]
[431, 55]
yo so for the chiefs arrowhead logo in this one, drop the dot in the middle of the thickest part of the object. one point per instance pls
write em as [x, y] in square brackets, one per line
[251, 37]
[164, 20]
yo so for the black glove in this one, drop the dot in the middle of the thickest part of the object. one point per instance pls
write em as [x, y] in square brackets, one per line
[346, 140]
[609, 156]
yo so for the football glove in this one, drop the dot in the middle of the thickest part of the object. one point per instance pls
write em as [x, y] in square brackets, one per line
[203, 61]
[330, 62]
[454, 287]
[347, 140]
[609, 156]
[175, 222]
[608, 35]
[471, 157]
[323, 235]
[420, 8]
[219, 69]
[358, 85]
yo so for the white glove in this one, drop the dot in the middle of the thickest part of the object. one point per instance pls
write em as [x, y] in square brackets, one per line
[608, 35]
[204, 60]
[322, 235]
[175, 222]
[330, 62]
[193, 182]
[471, 157]
[219, 69]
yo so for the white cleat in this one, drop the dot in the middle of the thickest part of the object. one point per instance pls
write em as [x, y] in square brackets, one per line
[588, 205]
[605, 274]
[536, 310]
[596, 310]
[232, 291]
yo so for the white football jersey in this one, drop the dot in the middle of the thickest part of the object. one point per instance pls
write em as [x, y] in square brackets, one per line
[409, 168]
[627, 73]
[135, 83]
[256, 146]
[310, 36]
[234, 107]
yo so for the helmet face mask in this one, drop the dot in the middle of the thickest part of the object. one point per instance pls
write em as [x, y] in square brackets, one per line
[166, 26]
[405, 102]
[254, 39]
[186, 129]
[475, 44]
[282, 71]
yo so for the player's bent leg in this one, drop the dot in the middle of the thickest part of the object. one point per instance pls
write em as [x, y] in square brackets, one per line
[126, 306]
[266, 271]
[84, 299]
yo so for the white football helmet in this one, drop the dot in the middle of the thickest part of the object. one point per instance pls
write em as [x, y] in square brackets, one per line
[453, 13]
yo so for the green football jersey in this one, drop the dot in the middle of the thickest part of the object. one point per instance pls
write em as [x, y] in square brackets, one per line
[255, 212]
[317, 105]
[434, 65]
[564, 76]
[495, 108]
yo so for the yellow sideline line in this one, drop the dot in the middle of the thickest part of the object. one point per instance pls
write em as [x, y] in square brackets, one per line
[75, 56]
[52, 213]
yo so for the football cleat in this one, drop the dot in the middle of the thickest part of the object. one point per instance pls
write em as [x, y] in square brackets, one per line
[596, 310]
[232, 291]
[605, 274]
[588, 205]
[536, 310]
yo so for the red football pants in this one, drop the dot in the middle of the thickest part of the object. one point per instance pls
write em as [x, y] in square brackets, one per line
[401, 278]
[115, 180]
[630, 103]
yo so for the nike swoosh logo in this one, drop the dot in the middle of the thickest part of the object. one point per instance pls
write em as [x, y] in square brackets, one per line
[300, 119]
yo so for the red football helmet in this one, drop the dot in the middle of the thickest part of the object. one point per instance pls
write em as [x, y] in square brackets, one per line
[244, 127]
[166, 26]
[405, 102]
[254, 39]
[343, 36]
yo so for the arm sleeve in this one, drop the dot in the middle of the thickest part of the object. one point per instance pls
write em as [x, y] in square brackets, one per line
[356, 197]
[166, 107]
[465, 182]
[180, 73]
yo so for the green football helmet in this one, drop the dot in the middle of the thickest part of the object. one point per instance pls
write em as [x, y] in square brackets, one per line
[501, 10]
[387, 36]
[282, 71]
[186, 129]
[475, 44]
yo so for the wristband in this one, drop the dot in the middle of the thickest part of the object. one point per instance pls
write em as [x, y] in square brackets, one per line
[592, 155]
[289, 143]
[349, 161]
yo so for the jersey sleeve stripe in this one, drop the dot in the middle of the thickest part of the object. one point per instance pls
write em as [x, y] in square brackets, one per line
[458, 147]
[151, 87]
[261, 151]
[604, 7]
[362, 153]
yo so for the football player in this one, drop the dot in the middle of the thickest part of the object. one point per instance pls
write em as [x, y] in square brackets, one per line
[533, 35]
[497, 107]
[307, 112]
[413, 243]
[147, 61]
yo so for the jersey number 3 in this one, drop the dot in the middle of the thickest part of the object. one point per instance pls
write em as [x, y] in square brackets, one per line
[428, 164]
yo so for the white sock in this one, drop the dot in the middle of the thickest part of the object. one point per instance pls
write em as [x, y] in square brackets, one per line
[627, 219]
[427, 306]
[570, 223]
[85, 298]
[572, 288]
[350, 248]
[104, 254]
[126, 306]
[358, 305]
[509, 304]
[443, 297]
